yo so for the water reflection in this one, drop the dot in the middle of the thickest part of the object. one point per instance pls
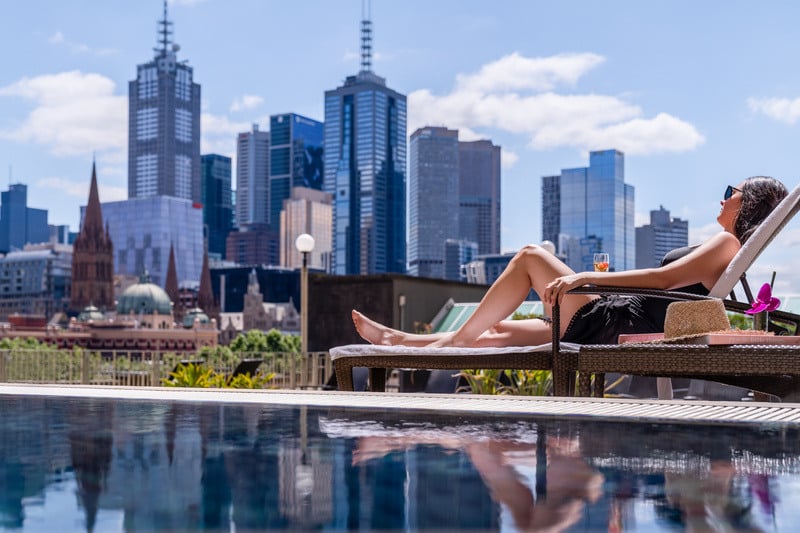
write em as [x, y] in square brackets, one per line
[502, 464]
[149, 466]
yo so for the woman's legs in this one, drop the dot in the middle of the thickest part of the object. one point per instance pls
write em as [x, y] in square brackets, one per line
[504, 333]
[532, 267]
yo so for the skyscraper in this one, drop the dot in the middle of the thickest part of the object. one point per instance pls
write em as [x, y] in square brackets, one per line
[479, 195]
[144, 230]
[20, 224]
[164, 125]
[433, 199]
[596, 212]
[295, 159]
[252, 177]
[307, 211]
[365, 166]
[551, 208]
[663, 234]
[217, 199]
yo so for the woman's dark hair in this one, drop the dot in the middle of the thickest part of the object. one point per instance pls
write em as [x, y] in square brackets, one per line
[760, 196]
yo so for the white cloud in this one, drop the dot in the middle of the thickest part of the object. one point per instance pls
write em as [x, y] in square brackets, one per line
[780, 109]
[703, 233]
[108, 193]
[74, 113]
[516, 72]
[507, 158]
[218, 134]
[59, 39]
[641, 219]
[516, 94]
[247, 101]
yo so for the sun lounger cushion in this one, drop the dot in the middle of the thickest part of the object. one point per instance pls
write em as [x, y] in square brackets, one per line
[371, 350]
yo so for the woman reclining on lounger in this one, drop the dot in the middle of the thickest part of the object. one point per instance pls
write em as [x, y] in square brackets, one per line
[591, 319]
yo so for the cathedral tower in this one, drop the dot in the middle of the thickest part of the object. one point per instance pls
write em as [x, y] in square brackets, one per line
[92, 258]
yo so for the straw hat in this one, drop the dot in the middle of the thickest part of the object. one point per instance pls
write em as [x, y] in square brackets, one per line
[687, 320]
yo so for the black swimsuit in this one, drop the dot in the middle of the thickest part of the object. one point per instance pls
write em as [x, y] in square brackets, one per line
[602, 320]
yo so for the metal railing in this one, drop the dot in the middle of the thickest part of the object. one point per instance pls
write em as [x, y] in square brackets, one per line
[137, 368]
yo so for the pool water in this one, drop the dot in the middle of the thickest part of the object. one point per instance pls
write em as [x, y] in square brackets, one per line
[82, 464]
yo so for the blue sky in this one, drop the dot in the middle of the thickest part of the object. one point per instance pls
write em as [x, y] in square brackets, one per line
[697, 94]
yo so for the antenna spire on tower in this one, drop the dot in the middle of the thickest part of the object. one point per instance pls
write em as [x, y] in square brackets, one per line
[366, 36]
[165, 33]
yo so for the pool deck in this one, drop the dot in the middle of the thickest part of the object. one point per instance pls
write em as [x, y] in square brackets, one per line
[694, 411]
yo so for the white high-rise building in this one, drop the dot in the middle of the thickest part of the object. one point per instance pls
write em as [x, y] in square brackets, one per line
[307, 211]
[252, 177]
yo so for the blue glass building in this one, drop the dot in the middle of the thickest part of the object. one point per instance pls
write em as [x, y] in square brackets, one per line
[143, 229]
[596, 212]
[365, 171]
[295, 159]
[217, 199]
[20, 224]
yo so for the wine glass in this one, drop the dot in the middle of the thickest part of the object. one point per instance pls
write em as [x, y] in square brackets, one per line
[601, 262]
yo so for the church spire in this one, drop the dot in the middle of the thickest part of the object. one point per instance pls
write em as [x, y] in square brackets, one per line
[92, 258]
[171, 286]
[93, 219]
[205, 294]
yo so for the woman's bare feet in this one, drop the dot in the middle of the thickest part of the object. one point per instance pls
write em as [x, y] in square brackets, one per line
[376, 333]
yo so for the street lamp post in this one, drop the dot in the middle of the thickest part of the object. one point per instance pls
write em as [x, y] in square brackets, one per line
[304, 245]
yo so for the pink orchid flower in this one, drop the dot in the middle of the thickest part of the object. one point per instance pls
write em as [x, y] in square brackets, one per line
[764, 301]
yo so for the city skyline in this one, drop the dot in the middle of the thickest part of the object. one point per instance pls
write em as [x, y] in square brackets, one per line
[693, 105]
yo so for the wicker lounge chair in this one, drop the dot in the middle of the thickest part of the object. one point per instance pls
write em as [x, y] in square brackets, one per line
[773, 369]
[379, 359]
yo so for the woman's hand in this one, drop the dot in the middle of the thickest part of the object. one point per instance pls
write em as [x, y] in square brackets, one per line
[555, 290]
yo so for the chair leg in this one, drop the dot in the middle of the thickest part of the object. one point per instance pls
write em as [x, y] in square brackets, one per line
[377, 379]
[599, 384]
[344, 376]
[584, 384]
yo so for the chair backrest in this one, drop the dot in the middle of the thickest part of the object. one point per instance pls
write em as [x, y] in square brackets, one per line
[759, 240]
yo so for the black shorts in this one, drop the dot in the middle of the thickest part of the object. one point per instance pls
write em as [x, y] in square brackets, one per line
[602, 321]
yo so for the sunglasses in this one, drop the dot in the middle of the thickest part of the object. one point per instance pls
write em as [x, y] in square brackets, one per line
[729, 192]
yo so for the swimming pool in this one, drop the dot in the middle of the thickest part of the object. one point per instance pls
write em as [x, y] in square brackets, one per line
[127, 460]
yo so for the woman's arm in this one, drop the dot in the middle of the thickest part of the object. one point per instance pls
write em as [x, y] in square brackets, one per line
[703, 265]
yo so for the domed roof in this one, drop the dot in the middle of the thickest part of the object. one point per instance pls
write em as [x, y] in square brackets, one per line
[195, 314]
[144, 297]
[91, 313]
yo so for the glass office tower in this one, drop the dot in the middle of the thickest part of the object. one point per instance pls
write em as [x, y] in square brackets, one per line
[20, 224]
[217, 200]
[597, 213]
[365, 171]
[164, 125]
[295, 159]
[143, 229]
[433, 198]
